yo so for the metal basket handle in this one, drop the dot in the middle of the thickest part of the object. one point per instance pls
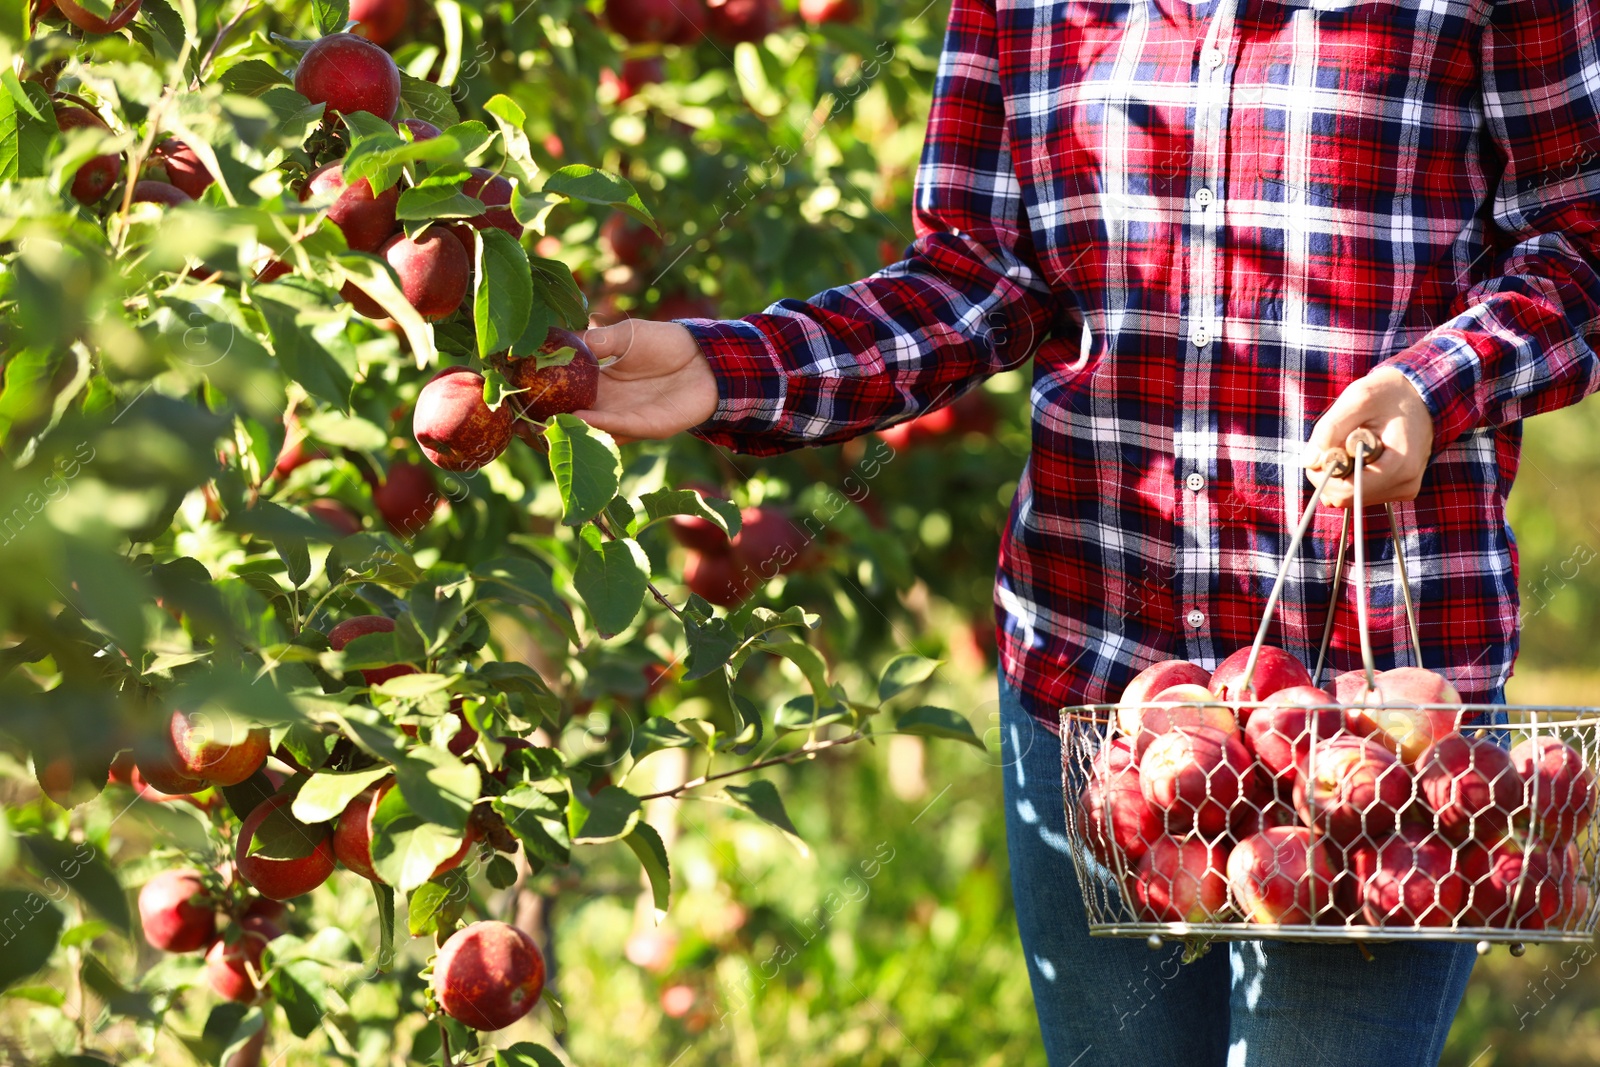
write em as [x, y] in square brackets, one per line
[1361, 447]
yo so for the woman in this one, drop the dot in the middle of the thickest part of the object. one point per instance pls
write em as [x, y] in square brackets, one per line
[1227, 235]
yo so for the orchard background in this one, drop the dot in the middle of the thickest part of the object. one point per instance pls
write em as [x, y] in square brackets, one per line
[189, 440]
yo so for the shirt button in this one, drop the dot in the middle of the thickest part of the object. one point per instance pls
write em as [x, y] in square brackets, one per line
[1213, 57]
[1195, 482]
[1203, 198]
[1200, 337]
[1195, 618]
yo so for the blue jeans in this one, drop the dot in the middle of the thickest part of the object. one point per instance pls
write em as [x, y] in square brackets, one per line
[1112, 1002]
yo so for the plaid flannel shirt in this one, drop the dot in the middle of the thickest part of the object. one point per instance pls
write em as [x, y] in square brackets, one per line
[1203, 229]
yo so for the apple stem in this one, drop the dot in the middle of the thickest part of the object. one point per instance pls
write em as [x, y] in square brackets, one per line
[444, 1044]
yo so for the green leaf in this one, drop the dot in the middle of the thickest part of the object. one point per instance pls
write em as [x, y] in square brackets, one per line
[504, 295]
[296, 558]
[800, 713]
[37, 924]
[929, 721]
[761, 799]
[438, 601]
[345, 431]
[252, 77]
[79, 865]
[509, 117]
[903, 672]
[538, 819]
[227, 1028]
[429, 102]
[438, 787]
[436, 906]
[302, 356]
[26, 127]
[301, 991]
[406, 850]
[500, 872]
[248, 795]
[326, 794]
[593, 186]
[711, 643]
[438, 198]
[810, 662]
[283, 837]
[526, 1054]
[586, 465]
[514, 580]
[609, 815]
[331, 15]
[612, 578]
[556, 289]
[384, 897]
[375, 278]
[665, 503]
[652, 853]
[118, 998]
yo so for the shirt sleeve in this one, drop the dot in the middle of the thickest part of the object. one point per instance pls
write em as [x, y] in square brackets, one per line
[968, 301]
[1521, 341]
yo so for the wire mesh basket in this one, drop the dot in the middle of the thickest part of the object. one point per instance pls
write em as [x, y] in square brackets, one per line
[1381, 810]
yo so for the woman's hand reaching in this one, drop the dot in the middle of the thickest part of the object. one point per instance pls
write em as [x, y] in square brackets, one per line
[657, 382]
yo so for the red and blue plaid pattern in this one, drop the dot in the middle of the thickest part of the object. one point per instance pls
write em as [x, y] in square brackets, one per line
[1202, 231]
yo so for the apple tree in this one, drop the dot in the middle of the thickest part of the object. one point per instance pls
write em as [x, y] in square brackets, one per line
[310, 568]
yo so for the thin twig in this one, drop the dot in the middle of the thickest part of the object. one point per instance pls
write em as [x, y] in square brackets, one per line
[222, 34]
[803, 752]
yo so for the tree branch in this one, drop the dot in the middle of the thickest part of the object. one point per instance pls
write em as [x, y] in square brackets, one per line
[805, 751]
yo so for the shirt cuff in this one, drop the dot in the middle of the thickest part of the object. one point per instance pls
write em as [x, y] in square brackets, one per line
[751, 383]
[1445, 370]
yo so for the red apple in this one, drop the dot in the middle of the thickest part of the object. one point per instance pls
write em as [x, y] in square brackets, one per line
[350, 629]
[216, 748]
[349, 74]
[820, 12]
[1281, 875]
[1559, 789]
[421, 129]
[494, 191]
[1410, 880]
[147, 191]
[1471, 787]
[632, 243]
[738, 21]
[1181, 881]
[234, 970]
[1193, 777]
[1201, 710]
[1117, 821]
[1152, 680]
[635, 74]
[1115, 755]
[177, 913]
[366, 219]
[691, 23]
[1525, 890]
[121, 14]
[183, 168]
[160, 765]
[1251, 819]
[681, 305]
[352, 835]
[488, 975]
[380, 21]
[95, 177]
[1350, 687]
[1280, 733]
[407, 498]
[1352, 789]
[768, 543]
[433, 269]
[715, 578]
[334, 515]
[281, 879]
[556, 388]
[644, 21]
[452, 424]
[1275, 670]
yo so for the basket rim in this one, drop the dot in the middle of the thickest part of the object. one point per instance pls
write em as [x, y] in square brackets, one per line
[1241, 931]
[1566, 715]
